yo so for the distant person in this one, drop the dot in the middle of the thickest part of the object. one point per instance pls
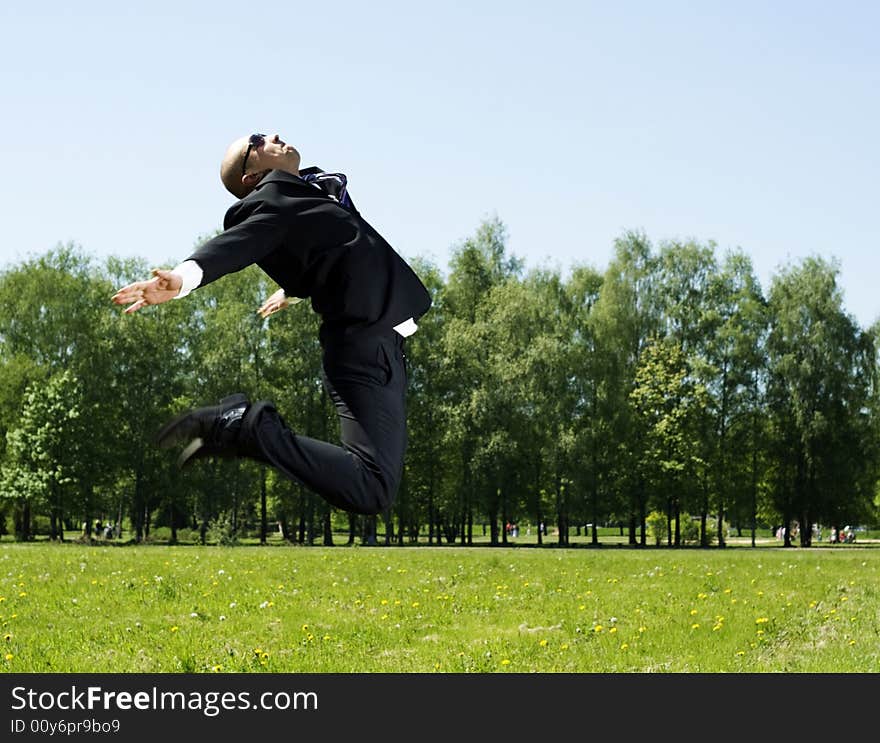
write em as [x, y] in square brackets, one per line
[302, 229]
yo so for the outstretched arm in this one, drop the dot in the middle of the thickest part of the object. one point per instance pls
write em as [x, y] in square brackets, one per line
[163, 286]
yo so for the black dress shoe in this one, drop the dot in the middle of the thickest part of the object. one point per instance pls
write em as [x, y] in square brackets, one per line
[211, 431]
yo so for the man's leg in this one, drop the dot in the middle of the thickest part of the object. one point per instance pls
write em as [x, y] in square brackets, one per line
[367, 383]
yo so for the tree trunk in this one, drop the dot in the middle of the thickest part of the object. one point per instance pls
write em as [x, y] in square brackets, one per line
[137, 510]
[264, 520]
[25, 523]
[389, 528]
[369, 536]
[173, 523]
[328, 528]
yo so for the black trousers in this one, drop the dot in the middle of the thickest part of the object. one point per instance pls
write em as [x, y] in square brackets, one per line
[366, 380]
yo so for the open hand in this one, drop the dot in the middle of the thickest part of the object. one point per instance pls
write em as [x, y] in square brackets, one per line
[163, 286]
[278, 301]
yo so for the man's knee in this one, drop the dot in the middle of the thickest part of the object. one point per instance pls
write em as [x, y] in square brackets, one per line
[380, 497]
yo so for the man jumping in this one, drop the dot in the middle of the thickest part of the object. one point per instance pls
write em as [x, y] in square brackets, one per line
[304, 232]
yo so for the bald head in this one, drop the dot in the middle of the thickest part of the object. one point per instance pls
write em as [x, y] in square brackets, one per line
[230, 168]
[241, 178]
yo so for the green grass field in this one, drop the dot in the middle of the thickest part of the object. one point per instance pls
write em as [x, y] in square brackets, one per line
[76, 608]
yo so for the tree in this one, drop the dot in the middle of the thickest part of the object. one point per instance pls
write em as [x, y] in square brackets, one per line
[626, 317]
[42, 452]
[821, 390]
[478, 264]
[669, 404]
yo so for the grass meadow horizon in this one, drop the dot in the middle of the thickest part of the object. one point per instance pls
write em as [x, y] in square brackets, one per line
[78, 608]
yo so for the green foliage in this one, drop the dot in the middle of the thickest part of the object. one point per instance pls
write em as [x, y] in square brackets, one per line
[221, 531]
[657, 527]
[666, 383]
[690, 529]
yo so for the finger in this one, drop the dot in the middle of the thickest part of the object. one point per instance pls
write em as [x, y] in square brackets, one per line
[123, 291]
[133, 289]
[136, 306]
[127, 297]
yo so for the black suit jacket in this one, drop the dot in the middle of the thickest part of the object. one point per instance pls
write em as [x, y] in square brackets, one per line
[312, 246]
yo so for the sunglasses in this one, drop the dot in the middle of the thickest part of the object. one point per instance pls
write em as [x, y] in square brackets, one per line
[254, 141]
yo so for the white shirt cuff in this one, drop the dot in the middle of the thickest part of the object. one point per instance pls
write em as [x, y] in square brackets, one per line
[406, 328]
[190, 273]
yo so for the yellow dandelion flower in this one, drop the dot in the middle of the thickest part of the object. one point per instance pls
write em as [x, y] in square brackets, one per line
[175, 628]
[852, 642]
[2, 599]
[598, 628]
[23, 594]
[258, 651]
[716, 627]
[582, 607]
[525, 585]
[760, 593]
[384, 602]
[264, 656]
[760, 632]
[305, 628]
[693, 611]
[7, 637]
[505, 662]
[761, 620]
[564, 646]
[543, 643]
[643, 629]
[217, 669]
[740, 652]
[695, 626]
[728, 590]
[9, 656]
[612, 630]
[844, 598]
[384, 616]
[624, 646]
[415, 604]
[701, 595]
[589, 593]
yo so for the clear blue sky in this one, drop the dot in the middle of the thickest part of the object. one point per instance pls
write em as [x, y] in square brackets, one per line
[751, 124]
